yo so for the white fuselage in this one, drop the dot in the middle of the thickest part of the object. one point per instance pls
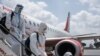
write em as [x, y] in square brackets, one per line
[51, 31]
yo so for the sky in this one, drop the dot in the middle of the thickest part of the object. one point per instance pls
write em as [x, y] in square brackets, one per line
[84, 19]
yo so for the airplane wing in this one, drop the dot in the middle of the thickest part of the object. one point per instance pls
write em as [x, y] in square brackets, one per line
[55, 40]
[88, 37]
[64, 44]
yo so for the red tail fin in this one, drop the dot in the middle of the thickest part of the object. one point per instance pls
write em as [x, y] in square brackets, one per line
[67, 23]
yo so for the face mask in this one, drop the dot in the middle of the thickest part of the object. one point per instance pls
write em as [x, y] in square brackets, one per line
[41, 30]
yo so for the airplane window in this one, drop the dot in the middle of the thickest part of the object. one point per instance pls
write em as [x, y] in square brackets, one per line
[52, 29]
[25, 21]
[30, 22]
[33, 23]
[37, 24]
[47, 28]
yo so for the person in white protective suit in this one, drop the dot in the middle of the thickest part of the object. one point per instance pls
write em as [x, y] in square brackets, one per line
[68, 54]
[38, 46]
[17, 29]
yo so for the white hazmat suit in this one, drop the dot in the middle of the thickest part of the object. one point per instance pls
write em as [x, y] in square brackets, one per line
[38, 47]
[17, 29]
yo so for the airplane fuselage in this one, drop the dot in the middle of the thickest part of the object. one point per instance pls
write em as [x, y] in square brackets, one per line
[32, 23]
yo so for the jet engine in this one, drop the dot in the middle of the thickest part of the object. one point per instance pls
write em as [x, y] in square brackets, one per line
[70, 45]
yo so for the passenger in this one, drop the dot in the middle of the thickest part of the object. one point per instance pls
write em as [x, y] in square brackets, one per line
[17, 29]
[37, 45]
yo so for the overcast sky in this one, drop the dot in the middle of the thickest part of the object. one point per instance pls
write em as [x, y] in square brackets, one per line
[85, 14]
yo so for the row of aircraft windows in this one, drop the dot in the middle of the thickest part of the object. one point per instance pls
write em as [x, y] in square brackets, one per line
[30, 22]
[34, 24]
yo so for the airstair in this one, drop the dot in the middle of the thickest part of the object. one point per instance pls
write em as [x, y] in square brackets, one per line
[5, 50]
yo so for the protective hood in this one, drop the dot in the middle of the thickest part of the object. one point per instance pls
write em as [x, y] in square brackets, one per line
[18, 8]
[42, 28]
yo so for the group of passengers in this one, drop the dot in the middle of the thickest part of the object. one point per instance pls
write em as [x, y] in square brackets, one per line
[13, 31]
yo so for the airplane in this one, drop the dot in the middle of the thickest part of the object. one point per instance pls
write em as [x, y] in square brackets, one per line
[59, 41]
